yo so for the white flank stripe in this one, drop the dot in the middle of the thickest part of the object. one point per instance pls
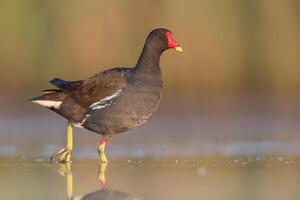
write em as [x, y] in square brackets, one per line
[105, 101]
[47, 103]
[99, 107]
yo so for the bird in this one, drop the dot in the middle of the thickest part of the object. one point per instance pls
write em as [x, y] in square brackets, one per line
[112, 101]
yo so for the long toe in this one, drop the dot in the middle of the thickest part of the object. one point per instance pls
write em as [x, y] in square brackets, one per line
[62, 156]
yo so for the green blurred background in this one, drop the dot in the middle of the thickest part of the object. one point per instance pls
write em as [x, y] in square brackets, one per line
[234, 90]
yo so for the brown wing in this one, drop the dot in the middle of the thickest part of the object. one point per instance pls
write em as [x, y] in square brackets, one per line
[95, 88]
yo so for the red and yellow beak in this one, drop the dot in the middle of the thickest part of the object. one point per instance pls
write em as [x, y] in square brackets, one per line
[179, 49]
[172, 43]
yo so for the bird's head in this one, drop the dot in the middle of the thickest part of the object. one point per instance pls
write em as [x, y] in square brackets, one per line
[162, 39]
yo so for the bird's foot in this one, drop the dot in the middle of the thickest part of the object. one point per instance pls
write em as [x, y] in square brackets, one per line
[62, 156]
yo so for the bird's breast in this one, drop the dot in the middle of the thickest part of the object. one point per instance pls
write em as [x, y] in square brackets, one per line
[139, 103]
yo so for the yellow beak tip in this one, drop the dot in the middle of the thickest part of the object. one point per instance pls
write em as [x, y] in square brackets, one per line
[179, 49]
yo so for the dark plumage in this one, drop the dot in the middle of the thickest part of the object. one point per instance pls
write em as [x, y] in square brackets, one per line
[108, 194]
[115, 100]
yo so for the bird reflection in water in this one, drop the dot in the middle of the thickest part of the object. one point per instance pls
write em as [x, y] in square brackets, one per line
[66, 171]
[105, 193]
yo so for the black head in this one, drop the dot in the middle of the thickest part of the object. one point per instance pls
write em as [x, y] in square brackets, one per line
[162, 39]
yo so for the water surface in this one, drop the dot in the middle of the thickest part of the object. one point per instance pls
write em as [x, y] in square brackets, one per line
[206, 178]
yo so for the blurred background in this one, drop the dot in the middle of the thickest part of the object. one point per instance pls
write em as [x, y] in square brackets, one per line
[233, 91]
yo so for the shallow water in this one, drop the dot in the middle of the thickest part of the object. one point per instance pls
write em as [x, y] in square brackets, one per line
[205, 178]
[218, 155]
[163, 136]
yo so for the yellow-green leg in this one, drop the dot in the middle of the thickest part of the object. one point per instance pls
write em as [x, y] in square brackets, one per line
[101, 174]
[69, 178]
[101, 150]
[66, 171]
[64, 155]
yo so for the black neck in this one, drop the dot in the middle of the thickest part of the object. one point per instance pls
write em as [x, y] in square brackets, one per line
[149, 60]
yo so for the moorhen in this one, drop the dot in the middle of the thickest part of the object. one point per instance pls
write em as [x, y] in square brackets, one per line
[112, 101]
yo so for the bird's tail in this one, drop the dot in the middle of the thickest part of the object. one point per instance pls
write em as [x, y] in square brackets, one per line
[51, 98]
